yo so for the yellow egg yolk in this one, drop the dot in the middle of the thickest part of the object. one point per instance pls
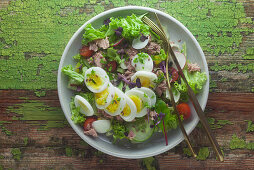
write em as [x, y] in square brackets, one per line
[114, 104]
[94, 81]
[101, 98]
[145, 82]
[137, 101]
[126, 111]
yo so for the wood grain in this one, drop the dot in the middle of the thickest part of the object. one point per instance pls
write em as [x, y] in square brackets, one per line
[46, 148]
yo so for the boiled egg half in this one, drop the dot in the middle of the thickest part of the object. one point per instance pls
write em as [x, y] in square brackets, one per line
[96, 79]
[117, 104]
[146, 78]
[85, 106]
[148, 93]
[129, 111]
[103, 99]
[139, 99]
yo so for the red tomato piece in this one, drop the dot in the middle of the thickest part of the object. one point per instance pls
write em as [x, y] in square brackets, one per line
[174, 74]
[111, 66]
[85, 52]
[184, 109]
[88, 123]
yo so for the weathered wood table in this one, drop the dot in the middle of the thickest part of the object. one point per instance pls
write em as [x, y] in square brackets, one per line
[34, 133]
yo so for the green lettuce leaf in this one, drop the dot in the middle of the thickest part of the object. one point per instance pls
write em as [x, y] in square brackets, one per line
[76, 116]
[132, 26]
[93, 34]
[68, 70]
[196, 80]
[112, 55]
[170, 120]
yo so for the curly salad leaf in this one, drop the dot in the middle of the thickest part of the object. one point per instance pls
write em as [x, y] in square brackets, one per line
[76, 116]
[119, 129]
[196, 81]
[68, 70]
[131, 27]
[93, 34]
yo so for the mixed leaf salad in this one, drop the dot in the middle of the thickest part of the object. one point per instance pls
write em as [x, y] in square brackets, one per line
[120, 85]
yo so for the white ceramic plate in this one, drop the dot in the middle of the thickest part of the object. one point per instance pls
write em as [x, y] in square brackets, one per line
[156, 144]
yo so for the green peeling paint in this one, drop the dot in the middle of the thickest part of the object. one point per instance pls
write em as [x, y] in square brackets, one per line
[35, 110]
[216, 124]
[16, 153]
[35, 33]
[249, 54]
[250, 127]
[40, 93]
[238, 143]
[25, 141]
[203, 153]
[83, 143]
[149, 163]
[186, 151]
[3, 128]
[68, 152]
[239, 67]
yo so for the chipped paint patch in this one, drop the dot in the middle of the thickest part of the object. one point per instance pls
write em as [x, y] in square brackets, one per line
[239, 67]
[216, 124]
[40, 93]
[34, 110]
[238, 143]
[186, 151]
[25, 140]
[16, 153]
[250, 126]
[203, 153]
[3, 128]
[249, 54]
[68, 152]
[148, 163]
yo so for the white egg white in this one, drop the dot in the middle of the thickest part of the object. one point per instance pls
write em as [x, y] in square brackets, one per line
[142, 97]
[102, 74]
[145, 65]
[121, 105]
[146, 74]
[85, 106]
[101, 126]
[111, 90]
[133, 109]
[148, 92]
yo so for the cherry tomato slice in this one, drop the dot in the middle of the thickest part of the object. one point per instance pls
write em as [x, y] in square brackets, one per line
[111, 66]
[85, 52]
[88, 123]
[184, 109]
[174, 74]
